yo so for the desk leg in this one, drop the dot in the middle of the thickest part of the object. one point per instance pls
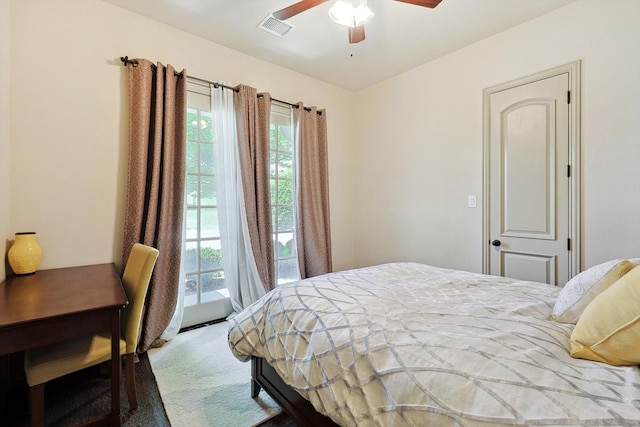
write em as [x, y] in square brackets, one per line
[115, 368]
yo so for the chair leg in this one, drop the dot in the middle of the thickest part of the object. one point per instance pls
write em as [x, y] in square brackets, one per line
[131, 380]
[36, 399]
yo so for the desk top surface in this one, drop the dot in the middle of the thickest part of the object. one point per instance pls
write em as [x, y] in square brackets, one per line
[60, 292]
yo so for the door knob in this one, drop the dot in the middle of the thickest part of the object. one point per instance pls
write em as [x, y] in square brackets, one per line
[496, 243]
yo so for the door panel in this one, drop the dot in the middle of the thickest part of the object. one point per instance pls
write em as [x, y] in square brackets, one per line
[529, 187]
[528, 164]
[538, 268]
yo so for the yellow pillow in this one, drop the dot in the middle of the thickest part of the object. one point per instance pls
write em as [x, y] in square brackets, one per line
[609, 329]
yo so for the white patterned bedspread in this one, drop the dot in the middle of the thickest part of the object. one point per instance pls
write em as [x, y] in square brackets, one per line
[408, 344]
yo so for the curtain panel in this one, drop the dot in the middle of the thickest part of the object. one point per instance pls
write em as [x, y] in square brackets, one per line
[240, 271]
[313, 232]
[252, 121]
[155, 184]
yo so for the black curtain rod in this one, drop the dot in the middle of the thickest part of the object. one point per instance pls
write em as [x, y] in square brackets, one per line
[134, 63]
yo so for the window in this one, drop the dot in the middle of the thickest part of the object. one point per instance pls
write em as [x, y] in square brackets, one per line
[282, 186]
[204, 275]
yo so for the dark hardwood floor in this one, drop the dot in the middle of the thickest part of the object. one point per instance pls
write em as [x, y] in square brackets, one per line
[79, 397]
[82, 396]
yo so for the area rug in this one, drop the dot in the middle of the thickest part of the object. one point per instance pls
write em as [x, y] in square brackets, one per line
[202, 384]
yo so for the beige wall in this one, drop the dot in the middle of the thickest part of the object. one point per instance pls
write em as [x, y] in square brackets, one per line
[420, 139]
[5, 147]
[69, 121]
[400, 176]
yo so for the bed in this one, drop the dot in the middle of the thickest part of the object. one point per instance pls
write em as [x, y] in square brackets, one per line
[408, 344]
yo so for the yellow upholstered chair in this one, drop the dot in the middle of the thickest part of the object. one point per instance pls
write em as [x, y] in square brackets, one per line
[46, 363]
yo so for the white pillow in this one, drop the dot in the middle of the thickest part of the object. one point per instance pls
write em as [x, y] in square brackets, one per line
[584, 287]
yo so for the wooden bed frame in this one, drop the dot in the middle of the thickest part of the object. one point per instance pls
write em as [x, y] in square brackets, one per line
[263, 376]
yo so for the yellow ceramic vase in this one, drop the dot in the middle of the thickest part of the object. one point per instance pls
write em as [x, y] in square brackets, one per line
[25, 253]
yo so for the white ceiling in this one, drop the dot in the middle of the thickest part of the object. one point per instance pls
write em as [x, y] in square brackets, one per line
[399, 37]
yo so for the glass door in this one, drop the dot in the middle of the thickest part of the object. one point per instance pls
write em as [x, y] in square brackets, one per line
[206, 296]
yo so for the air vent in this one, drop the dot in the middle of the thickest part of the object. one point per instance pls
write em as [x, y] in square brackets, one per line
[275, 26]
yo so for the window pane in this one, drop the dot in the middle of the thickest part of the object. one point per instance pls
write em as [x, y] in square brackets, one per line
[209, 226]
[272, 137]
[206, 130]
[285, 246]
[191, 257]
[272, 191]
[210, 255]
[285, 192]
[207, 190]
[285, 164]
[211, 284]
[192, 190]
[274, 219]
[206, 158]
[285, 218]
[192, 157]
[191, 289]
[284, 249]
[192, 224]
[284, 139]
[288, 271]
[291, 247]
[192, 124]
[273, 159]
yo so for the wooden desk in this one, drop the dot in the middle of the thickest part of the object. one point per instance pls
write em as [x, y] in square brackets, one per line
[61, 304]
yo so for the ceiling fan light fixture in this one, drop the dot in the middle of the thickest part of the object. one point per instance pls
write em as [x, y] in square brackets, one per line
[350, 13]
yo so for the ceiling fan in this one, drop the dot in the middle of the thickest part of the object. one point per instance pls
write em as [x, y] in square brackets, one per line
[351, 13]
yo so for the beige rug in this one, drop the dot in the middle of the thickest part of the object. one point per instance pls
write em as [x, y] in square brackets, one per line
[202, 384]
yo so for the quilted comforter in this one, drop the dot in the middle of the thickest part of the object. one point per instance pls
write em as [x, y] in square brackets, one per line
[408, 344]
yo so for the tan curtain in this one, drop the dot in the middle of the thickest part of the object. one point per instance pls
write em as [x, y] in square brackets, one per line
[313, 231]
[252, 120]
[155, 185]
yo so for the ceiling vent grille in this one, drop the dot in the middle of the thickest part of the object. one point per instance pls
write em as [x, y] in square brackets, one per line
[275, 26]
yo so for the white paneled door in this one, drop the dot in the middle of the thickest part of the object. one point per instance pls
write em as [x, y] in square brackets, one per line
[529, 223]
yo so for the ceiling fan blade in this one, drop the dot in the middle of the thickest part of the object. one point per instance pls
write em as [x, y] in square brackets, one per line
[356, 34]
[424, 3]
[296, 8]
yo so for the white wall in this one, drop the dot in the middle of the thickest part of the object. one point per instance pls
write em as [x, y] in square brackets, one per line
[69, 121]
[420, 139]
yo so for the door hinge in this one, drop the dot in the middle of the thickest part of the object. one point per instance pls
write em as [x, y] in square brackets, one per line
[568, 171]
[568, 97]
[568, 243]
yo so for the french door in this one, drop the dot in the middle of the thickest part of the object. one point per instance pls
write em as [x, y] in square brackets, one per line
[206, 296]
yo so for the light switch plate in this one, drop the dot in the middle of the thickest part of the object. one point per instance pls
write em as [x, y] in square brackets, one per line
[471, 201]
